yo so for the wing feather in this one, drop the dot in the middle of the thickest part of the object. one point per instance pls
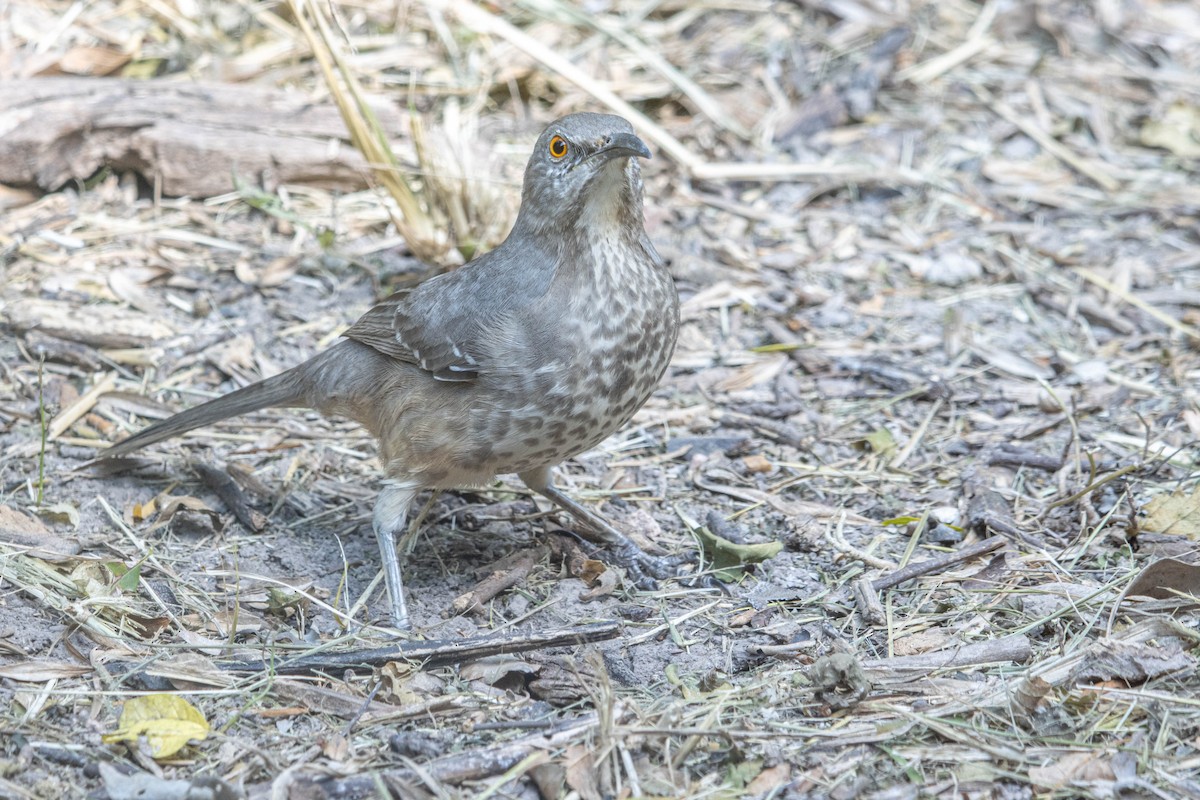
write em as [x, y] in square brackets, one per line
[461, 324]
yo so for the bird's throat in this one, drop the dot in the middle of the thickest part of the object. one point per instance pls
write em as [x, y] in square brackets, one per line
[609, 198]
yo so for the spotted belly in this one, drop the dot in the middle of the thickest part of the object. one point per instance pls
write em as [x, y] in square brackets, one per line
[554, 428]
[582, 363]
[573, 405]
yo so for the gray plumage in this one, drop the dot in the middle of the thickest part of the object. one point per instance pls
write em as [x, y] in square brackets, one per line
[528, 355]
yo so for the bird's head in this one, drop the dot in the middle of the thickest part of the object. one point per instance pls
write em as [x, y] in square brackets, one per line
[584, 175]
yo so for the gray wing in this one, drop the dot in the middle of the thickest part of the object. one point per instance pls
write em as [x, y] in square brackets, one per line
[407, 332]
[455, 325]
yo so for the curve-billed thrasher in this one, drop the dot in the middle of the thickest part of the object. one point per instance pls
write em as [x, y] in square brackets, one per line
[526, 356]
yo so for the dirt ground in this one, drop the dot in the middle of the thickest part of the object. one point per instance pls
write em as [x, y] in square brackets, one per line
[940, 273]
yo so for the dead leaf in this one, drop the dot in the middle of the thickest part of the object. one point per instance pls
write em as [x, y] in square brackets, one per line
[273, 274]
[406, 685]
[175, 504]
[922, 642]
[189, 516]
[581, 772]
[93, 580]
[604, 584]
[1167, 578]
[41, 671]
[144, 511]
[880, 441]
[757, 463]
[129, 284]
[588, 570]
[62, 513]
[1177, 514]
[86, 60]
[1177, 131]
[1029, 692]
[493, 669]
[769, 780]
[24, 531]
[395, 677]
[335, 747]
[146, 628]
[1133, 663]
[753, 374]
[741, 618]
[1072, 768]
[167, 721]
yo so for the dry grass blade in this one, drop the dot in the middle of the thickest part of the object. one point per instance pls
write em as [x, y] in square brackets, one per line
[1089, 167]
[954, 312]
[415, 224]
[475, 210]
[1126, 296]
[707, 105]
[105, 618]
[483, 22]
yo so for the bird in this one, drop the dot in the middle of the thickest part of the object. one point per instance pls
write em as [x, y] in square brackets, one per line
[525, 356]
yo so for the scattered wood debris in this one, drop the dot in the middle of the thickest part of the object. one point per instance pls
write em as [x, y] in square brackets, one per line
[938, 369]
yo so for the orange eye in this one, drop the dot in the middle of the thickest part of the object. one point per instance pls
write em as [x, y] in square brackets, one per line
[558, 147]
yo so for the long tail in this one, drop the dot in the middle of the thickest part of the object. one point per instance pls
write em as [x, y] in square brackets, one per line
[282, 390]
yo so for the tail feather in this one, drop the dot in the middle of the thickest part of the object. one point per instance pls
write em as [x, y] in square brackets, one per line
[282, 390]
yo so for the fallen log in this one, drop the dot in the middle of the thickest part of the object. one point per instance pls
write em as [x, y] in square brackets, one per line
[187, 139]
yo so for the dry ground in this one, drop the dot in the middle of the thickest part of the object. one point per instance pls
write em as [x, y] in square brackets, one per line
[969, 319]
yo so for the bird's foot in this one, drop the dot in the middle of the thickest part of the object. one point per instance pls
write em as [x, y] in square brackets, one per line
[644, 570]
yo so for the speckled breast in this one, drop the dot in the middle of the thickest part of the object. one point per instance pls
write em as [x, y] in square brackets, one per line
[614, 343]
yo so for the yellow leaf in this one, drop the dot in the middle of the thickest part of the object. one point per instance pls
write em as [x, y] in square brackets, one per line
[1176, 514]
[880, 441]
[167, 721]
[1178, 131]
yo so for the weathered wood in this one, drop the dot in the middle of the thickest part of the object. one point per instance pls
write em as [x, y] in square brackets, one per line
[192, 138]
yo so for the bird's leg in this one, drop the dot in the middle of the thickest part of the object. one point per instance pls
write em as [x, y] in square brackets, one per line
[391, 514]
[643, 568]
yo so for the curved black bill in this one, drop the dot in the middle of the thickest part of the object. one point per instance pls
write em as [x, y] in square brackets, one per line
[624, 144]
